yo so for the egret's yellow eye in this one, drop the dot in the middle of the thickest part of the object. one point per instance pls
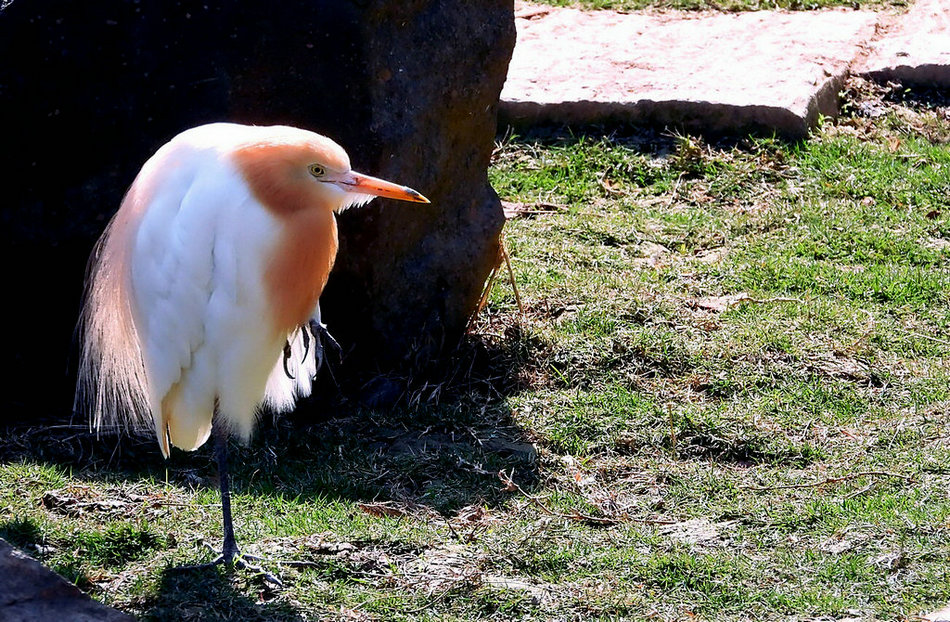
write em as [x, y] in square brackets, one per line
[317, 171]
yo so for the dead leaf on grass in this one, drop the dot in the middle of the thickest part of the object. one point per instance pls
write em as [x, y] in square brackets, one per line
[840, 543]
[718, 304]
[696, 531]
[610, 187]
[892, 560]
[524, 451]
[354, 614]
[382, 509]
[443, 568]
[317, 544]
[652, 254]
[474, 516]
[80, 500]
[842, 367]
[516, 209]
[712, 255]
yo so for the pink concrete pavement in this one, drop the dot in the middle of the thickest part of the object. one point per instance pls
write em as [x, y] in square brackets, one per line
[710, 71]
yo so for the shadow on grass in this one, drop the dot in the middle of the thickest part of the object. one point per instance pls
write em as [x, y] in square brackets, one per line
[21, 532]
[180, 594]
[662, 139]
[440, 445]
[210, 594]
[648, 140]
[113, 547]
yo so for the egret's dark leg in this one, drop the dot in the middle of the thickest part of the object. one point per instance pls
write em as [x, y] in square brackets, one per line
[230, 549]
[230, 553]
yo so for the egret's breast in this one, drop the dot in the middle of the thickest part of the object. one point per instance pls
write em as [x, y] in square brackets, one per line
[300, 265]
[299, 262]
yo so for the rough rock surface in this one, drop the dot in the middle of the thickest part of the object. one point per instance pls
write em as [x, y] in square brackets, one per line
[410, 89]
[942, 615]
[914, 49]
[408, 277]
[702, 71]
[29, 592]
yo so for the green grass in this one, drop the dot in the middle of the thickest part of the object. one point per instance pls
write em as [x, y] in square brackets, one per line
[727, 399]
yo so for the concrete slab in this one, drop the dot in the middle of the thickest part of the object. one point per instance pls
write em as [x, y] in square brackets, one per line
[914, 48]
[30, 592]
[720, 72]
[943, 615]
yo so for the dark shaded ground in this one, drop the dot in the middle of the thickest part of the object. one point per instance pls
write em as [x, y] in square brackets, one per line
[434, 447]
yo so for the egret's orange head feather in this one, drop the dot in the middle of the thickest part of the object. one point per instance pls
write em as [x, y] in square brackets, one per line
[276, 169]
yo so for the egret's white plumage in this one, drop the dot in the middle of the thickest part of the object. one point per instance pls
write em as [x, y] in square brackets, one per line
[216, 257]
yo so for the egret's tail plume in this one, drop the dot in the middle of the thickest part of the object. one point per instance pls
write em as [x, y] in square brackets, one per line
[111, 386]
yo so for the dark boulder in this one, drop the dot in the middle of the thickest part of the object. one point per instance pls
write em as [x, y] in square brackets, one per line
[30, 592]
[410, 88]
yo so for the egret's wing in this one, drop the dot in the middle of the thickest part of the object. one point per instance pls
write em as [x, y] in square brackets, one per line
[173, 273]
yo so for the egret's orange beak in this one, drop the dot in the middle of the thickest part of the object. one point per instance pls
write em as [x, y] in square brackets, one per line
[358, 182]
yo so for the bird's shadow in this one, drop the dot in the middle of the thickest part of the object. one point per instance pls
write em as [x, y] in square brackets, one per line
[439, 449]
[210, 594]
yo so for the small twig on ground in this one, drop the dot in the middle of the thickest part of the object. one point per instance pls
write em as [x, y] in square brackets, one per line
[867, 331]
[515, 210]
[765, 301]
[432, 601]
[672, 431]
[676, 187]
[927, 337]
[502, 258]
[484, 298]
[511, 274]
[723, 303]
[832, 480]
[576, 514]
[189, 504]
[458, 536]
[858, 493]
[298, 563]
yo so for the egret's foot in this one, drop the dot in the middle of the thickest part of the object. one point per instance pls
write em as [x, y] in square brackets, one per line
[242, 561]
[288, 352]
[322, 342]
